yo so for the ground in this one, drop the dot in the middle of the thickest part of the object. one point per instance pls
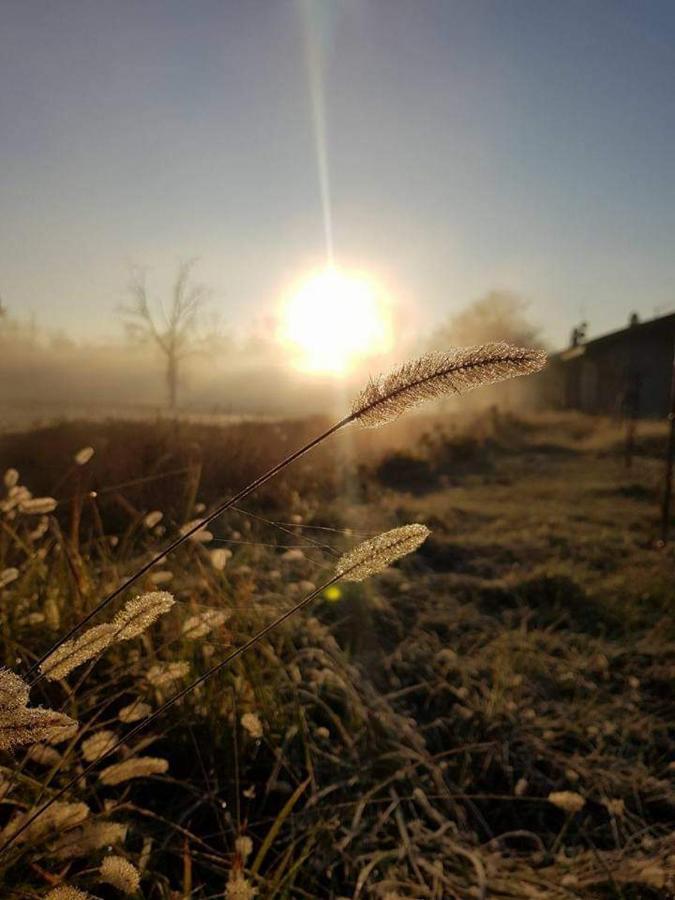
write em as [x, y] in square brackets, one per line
[491, 717]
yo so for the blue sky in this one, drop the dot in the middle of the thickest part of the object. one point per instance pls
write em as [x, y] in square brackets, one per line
[470, 145]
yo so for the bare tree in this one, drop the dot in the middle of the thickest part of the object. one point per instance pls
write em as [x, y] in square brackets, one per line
[173, 330]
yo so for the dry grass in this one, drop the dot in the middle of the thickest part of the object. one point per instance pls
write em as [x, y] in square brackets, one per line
[402, 739]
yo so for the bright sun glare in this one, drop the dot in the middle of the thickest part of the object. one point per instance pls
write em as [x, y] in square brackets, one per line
[334, 319]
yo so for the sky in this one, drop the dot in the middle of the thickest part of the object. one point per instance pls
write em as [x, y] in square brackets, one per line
[448, 147]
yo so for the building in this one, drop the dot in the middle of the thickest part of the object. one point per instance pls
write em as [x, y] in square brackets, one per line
[625, 372]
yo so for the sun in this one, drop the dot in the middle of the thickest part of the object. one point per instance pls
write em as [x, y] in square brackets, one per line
[333, 320]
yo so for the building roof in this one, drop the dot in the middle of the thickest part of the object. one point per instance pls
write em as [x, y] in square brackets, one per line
[642, 329]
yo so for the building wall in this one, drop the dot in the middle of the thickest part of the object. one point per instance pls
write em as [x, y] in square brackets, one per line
[631, 369]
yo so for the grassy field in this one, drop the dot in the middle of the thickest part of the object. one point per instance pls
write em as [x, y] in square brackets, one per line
[489, 718]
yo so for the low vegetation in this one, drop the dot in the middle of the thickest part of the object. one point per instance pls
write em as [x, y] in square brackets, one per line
[491, 717]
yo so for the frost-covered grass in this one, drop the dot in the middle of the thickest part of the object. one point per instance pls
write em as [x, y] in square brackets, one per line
[401, 738]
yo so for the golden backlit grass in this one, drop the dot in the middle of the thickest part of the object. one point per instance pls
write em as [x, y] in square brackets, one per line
[409, 737]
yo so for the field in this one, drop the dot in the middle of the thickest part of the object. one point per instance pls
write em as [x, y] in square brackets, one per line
[491, 717]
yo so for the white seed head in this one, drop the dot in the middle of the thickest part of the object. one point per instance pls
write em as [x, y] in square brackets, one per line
[74, 653]
[140, 767]
[96, 746]
[83, 456]
[164, 674]
[140, 613]
[153, 518]
[37, 505]
[134, 712]
[431, 376]
[203, 623]
[252, 724]
[374, 555]
[21, 726]
[568, 801]
[11, 478]
[13, 690]
[7, 576]
[121, 874]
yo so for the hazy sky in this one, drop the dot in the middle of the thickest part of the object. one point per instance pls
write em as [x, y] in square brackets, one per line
[470, 145]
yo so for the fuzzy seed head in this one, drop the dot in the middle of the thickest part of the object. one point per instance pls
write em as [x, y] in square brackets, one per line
[164, 674]
[568, 801]
[119, 872]
[66, 892]
[239, 888]
[83, 456]
[7, 576]
[92, 836]
[203, 623]
[21, 726]
[134, 712]
[251, 723]
[80, 650]
[59, 817]
[153, 518]
[140, 613]
[140, 767]
[374, 555]
[431, 376]
[44, 755]
[13, 690]
[98, 745]
[244, 846]
[219, 558]
[37, 505]
[11, 478]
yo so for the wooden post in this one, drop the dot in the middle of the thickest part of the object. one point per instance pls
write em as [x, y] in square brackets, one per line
[631, 412]
[668, 475]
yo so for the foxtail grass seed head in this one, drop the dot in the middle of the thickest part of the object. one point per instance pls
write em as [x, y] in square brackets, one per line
[244, 846]
[203, 623]
[37, 505]
[219, 558]
[7, 576]
[92, 836]
[83, 456]
[74, 653]
[13, 690]
[96, 746]
[435, 374]
[569, 801]
[134, 712]
[120, 873]
[153, 518]
[165, 674]
[21, 726]
[239, 888]
[44, 755]
[374, 555]
[66, 892]
[202, 536]
[140, 613]
[60, 816]
[251, 723]
[140, 767]
[11, 478]
[161, 576]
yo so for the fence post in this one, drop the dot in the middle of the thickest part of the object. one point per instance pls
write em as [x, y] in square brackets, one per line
[668, 475]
